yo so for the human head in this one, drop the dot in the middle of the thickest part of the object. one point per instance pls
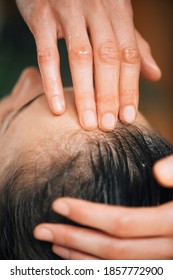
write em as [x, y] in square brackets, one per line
[113, 168]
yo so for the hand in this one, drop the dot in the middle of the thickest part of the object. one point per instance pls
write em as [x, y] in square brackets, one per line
[99, 34]
[116, 232]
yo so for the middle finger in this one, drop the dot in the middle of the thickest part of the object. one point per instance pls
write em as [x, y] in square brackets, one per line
[130, 65]
[106, 63]
[124, 222]
[81, 64]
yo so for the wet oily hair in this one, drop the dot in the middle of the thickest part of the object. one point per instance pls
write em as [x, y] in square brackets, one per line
[112, 168]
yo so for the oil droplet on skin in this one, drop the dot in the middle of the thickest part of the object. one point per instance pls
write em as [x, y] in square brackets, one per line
[72, 38]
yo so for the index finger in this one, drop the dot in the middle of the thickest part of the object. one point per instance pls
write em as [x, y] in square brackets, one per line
[117, 220]
[49, 64]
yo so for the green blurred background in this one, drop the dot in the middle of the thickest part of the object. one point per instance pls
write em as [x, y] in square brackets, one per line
[153, 18]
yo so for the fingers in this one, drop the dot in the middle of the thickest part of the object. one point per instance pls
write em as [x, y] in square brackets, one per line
[130, 67]
[70, 254]
[116, 220]
[81, 64]
[149, 68]
[73, 237]
[45, 29]
[163, 171]
[106, 74]
[104, 246]
[49, 64]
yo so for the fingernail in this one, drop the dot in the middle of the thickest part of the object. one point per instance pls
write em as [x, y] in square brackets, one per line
[129, 114]
[62, 252]
[108, 121]
[89, 119]
[44, 234]
[57, 105]
[61, 208]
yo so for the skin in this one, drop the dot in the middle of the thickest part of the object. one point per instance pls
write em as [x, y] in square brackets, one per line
[115, 232]
[138, 233]
[35, 124]
[104, 50]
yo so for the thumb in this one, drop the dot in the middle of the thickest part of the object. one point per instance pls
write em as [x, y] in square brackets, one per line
[163, 171]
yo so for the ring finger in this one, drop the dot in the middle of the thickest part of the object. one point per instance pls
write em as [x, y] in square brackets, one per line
[130, 68]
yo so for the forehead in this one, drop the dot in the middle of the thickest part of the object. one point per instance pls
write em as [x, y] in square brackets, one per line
[36, 124]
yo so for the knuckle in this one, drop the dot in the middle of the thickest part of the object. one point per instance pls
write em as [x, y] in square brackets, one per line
[121, 3]
[46, 55]
[120, 249]
[109, 251]
[129, 93]
[106, 98]
[69, 238]
[122, 7]
[81, 98]
[81, 53]
[130, 55]
[67, 4]
[114, 249]
[113, 109]
[108, 53]
[123, 224]
[84, 98]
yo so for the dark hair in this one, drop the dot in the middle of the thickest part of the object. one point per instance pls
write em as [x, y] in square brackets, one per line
[113, 168]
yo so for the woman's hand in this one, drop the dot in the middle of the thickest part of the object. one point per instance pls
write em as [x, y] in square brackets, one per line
[115, 232]
[101, 40]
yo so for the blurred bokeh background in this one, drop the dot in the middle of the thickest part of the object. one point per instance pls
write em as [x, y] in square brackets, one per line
[154, 20]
